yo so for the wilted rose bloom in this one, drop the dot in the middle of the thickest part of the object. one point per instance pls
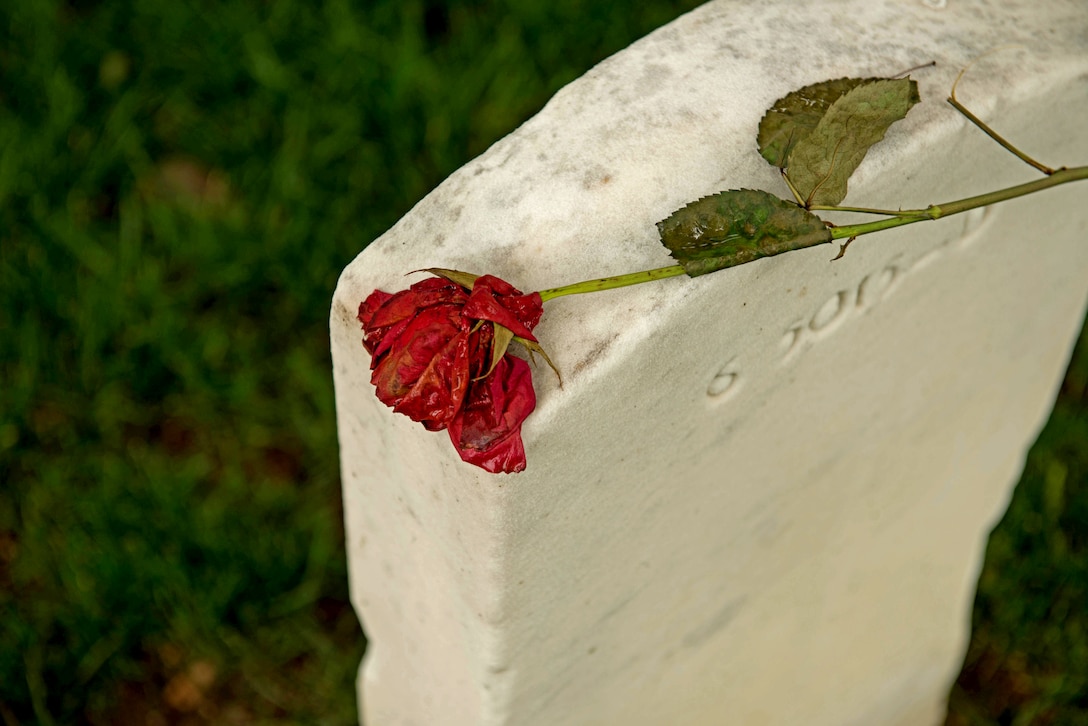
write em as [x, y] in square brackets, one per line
[431, 348]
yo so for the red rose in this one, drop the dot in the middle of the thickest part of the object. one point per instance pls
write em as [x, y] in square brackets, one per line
[432, 360]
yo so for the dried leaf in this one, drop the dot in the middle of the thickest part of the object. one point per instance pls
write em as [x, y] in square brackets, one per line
[820, 164]
[534, 347]
[499, 343]
[794, 116]
[735, 227]
[464, 279]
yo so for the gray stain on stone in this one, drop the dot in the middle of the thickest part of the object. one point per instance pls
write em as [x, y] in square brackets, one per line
[716, 623]
[653, 79]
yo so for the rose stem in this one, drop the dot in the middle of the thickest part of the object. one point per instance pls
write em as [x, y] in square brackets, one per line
[608, 283]
[934, 211]
[937, 211]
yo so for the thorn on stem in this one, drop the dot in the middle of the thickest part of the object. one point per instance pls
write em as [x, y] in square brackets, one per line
[842, 248]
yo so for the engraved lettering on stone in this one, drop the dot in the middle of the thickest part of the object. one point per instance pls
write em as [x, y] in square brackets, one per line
[830, 311]
[974, 221]
[791, 340]
[875, 287]
[869, 291]
[797, 338]
[929, 256]
[725, 381]
[970, 223]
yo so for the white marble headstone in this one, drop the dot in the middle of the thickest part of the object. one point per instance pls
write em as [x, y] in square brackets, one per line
[761, 496]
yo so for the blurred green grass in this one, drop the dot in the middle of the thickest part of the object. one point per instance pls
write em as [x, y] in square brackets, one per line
[1027, 663]
[180, 185]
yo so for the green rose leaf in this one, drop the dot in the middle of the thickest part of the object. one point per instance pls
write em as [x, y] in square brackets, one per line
[794, 116]
[734, 227]
[820, 164]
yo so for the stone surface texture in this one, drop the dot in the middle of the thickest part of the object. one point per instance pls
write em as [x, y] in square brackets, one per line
[761, 496]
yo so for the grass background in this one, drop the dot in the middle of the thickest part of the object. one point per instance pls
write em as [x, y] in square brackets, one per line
[180, 185]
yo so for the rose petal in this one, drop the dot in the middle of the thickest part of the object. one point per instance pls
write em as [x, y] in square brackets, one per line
[367, 308]
[500, 302]
[426, 371]
[421, 295]
[487, 431]
[438, 393]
